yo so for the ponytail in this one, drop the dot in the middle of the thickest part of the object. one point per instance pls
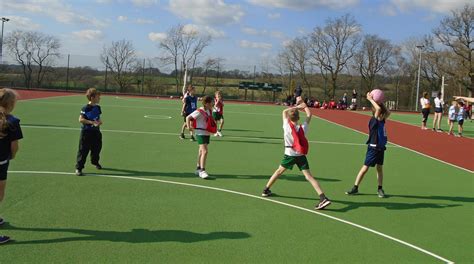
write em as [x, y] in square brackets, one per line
[8, 99]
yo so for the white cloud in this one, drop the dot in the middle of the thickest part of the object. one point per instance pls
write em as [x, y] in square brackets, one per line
[122, 18]
[55, 9]
[250, 31]
[388, 10]
[88, 35]
[144, 21]
[24, 23]
[437, 6]
[144, 3]
[274, 15]
[207, 12]
[205, 30]
[156, 36]
[263, 33]
[304, 4]
[255, 45]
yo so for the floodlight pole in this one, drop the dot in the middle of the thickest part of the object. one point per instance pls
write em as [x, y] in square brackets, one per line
[420, 47]
[4, 19]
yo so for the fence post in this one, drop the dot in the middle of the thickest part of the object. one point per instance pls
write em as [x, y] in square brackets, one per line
[143, 74]
[67, 72]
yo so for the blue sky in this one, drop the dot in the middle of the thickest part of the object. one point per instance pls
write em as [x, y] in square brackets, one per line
[244, 32]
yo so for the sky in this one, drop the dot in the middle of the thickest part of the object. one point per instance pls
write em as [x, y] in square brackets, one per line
[244, 33]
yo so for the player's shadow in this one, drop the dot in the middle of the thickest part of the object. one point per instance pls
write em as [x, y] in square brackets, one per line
[136, 173]
[132, 236]
[248, 141]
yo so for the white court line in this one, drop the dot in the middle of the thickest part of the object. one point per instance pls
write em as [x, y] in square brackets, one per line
[159, 117]
[175, 134]
[400, 146]
[255, 197]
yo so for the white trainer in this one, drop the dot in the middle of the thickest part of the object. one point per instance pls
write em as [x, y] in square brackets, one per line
[203, 174]
[197, 172]
[219, 134]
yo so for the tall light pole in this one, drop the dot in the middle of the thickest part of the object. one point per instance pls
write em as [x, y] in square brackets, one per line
[4, 19]
[420, 47]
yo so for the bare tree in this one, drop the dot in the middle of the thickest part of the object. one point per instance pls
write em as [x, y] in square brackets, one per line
[372, 57]
[209, 64]
[284, 66]
[32, 49]
[297, 52]
[46, 50]
[333, 45]
[120, 58]
[456, 32]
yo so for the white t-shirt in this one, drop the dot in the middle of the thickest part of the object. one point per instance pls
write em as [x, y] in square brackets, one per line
[452, 113]
[289, 137]
[438, 102]
[201, 122]
[424, 102]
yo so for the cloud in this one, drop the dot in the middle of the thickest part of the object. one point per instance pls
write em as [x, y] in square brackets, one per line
[24, 23]
[207, 12]
[263, 33]
[255, 45]
[436, 6]
[205, 30]
[250, 31]
[304, 4]
[122, 18]
[144, 21]
[88, 35]
[55, 9]
[144, 3]
[274, 15]
[156, 36]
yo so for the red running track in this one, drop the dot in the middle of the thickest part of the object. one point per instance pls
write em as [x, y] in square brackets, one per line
[35, 94]
[440, 146]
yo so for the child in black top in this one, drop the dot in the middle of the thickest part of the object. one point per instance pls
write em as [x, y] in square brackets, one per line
[10, 133]
[91, 138]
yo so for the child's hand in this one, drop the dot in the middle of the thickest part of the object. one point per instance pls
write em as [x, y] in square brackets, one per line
[369, 96]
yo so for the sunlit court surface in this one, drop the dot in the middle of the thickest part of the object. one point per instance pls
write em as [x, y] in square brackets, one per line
[236, 131]
[146, 204]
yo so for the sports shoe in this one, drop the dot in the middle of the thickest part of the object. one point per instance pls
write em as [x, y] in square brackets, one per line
[266, 192]
[97, 166]
[79, 173]
[322, 204]
[197, 172]
[182, 136]
[434, 129]
[2, 221]
[219, 134]
[4, 239]
[458, 135]
[381, 193]
[439, 130]
[203, 174]
[192, 138]
[352, 191]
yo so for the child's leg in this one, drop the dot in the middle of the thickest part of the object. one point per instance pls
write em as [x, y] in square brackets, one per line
[183, 127]
[460, 128]
[96, 147]
[202, 155]
[451, 126]
[84, 147]
[3, 185]
[309, 177]
[221, 125]
[380, 174]
[435, 119]
[275, 176]
[440, 116]
[361, 175]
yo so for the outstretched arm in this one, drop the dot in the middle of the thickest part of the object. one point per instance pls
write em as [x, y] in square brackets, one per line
[467, 99]
[378, 109]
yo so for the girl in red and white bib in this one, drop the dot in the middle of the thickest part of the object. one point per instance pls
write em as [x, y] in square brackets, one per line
[296, 148]
[218, 112]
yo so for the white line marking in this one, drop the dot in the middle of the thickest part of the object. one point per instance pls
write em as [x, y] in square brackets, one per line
[175, 134]
[400, 146]
[255, 197]
[157, 117]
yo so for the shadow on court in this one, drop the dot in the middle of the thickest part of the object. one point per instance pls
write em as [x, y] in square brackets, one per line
[136, 173]
[133, 236]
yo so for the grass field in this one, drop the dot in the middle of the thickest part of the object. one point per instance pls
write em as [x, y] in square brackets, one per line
[146, 205]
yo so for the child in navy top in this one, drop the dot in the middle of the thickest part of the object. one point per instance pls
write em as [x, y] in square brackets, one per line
[10, 133]
[91, 137]
[460, 118]
[375, 146]
[189, 106]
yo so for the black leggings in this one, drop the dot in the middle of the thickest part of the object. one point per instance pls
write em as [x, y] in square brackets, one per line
[426, 113]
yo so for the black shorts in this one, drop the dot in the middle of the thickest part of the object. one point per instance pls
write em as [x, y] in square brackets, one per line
[438, 109]
[461, 122]
[426, 113]
[185, 115]
[3, 171]
[374, 157]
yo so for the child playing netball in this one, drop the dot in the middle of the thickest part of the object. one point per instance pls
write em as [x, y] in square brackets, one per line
[10, 133]
[218, 112]
[460, 118]
[91, 137]
[296, 148]
[189, 106]
[204, 125]
[376, 145]
[452, 116]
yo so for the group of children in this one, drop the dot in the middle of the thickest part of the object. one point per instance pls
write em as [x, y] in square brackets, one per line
[201, 123]
[457, 112]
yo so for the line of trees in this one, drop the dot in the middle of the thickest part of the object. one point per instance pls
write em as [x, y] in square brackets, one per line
[336, 56]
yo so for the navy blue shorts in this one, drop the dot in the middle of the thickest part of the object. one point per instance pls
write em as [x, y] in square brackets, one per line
[374, 157]
[3, 171]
